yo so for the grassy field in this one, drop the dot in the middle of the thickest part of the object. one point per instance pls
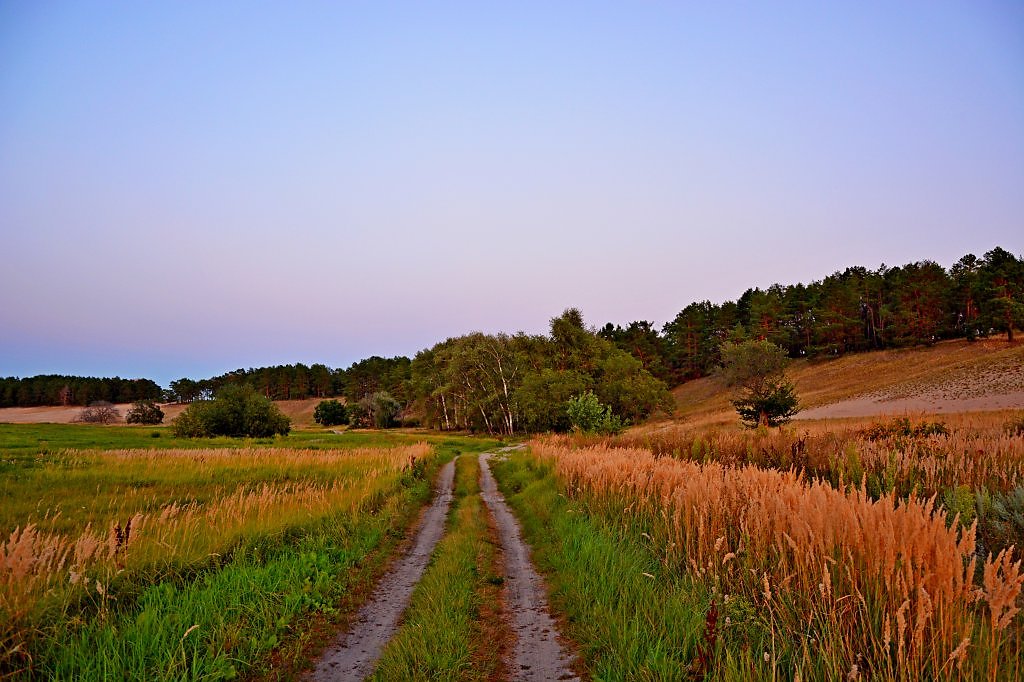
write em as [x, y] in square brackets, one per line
[131, 556]
[879, 549]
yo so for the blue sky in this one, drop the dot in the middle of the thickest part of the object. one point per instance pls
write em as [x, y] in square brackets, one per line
[188, 188]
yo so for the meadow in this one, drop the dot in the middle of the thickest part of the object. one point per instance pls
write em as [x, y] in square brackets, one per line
[882, 549]
[129, 555]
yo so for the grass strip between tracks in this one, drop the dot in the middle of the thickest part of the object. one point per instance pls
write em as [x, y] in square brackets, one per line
[453, 628]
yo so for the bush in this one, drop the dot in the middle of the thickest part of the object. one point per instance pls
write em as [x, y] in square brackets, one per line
[901, 427]
[588, 415]
[1015, 427]
[145, 412]
[99, 412]
[330, 413]
[237, 411]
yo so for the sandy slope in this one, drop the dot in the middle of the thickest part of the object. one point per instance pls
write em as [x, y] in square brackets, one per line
[300, 411]
[953, 376]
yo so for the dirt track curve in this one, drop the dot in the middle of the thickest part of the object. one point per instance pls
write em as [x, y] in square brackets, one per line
[354, 655]
[537, 654]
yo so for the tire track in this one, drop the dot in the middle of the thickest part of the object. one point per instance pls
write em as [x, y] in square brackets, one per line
[353, 655]
[536, 654]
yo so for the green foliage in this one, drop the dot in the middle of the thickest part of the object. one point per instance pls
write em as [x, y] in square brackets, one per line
[237, 411]
[1001, 519]
[587, 415]
[960, 502]
[59, 389]
[145, 412]
[774, 407]
[330, 413]
[379, 410]
[757, 368]
[507, 384]
[542, 397]
[999, 289]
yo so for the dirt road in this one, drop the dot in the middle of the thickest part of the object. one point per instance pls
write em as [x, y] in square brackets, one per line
[354, 654]
[537, 654]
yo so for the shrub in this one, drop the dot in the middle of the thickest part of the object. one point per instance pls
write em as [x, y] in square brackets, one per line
[145, 412]
[330, 413]
[902, 428]
[588, 415]
[99, 412]
[1015, 427]
[237, 411]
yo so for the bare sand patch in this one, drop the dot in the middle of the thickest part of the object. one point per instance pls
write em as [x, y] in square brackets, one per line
[300, 412]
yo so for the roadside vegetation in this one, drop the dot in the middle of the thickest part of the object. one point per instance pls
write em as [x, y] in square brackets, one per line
[880, 549]
[192, 563]
[453, 629]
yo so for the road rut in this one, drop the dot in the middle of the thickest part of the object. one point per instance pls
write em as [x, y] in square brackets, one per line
[537, 654]
[353, 656]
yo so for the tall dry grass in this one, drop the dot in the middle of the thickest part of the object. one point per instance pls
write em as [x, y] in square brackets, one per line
[42, 571]
[878, 587]
[976, 452]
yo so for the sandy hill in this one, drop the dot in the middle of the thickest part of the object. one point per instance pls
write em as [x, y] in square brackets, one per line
[300, 412]
[952, 376]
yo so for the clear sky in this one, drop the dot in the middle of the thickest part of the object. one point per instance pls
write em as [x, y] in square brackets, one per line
[192, 187]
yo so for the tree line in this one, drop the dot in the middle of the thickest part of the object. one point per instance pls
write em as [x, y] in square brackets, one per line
[59, 389]
[854, 310]
[299, 381]
[504, 383]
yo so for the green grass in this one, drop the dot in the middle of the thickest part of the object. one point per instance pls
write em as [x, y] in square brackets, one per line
[631, 619]
[451, 630]
[234, 615]
[56, 475]
[251, 592]
[20, 440]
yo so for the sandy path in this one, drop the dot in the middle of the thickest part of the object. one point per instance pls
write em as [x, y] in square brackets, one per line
[354, 655]
[536, 654]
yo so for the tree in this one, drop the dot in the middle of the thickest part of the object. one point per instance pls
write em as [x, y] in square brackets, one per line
[378, 410]
[757, 368]
[237, 411]
[1000, 289]
[99, 412]
[145, 412]
[330, 413]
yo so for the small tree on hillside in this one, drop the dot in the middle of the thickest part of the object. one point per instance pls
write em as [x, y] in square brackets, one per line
[758, 369]
[330, 413]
